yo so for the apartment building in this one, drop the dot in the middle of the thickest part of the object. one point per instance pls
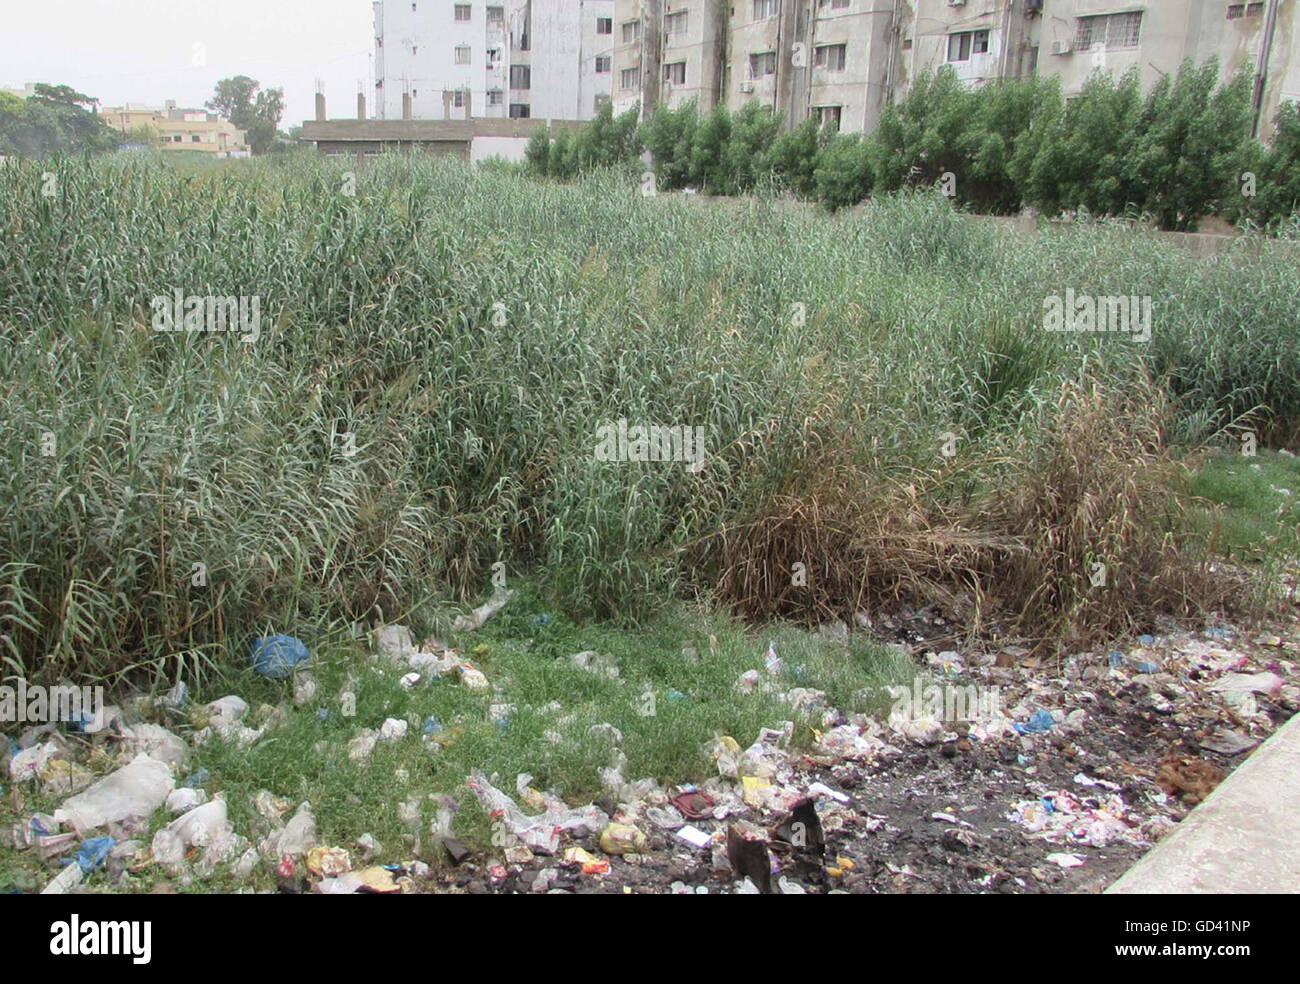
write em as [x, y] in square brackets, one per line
[829, 58]
[1070, 39]
[517, 59]
[176, 128]
[844, 60]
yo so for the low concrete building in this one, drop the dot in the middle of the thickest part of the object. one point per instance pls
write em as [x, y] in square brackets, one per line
[178, 129]
[473, 139]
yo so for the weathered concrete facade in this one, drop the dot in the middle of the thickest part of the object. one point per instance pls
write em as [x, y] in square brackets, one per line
[845, 60]
[471, 59]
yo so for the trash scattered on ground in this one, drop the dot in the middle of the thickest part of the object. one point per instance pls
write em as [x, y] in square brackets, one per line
[540, 833]
[1097, 754]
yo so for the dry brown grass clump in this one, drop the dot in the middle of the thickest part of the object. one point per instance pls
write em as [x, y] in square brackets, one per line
[1074, 536]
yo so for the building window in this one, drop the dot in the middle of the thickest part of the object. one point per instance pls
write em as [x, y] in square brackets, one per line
[462, 54]
[1236, 11]
[834, 4]
[463, 14]
[964, 43]
[629, 78]
[458, 99]
[1115, 31]
[520, 111]
[496, 16]
[493, 58]
[675, 73]
[604, 25]
[830, 57]
[631, 31]
[494, 97]
[762, 63]
[829, 114]
[415, 49]
[603, 64]
[521, 77]
[763, 9]
[675, 23]
[196, 139]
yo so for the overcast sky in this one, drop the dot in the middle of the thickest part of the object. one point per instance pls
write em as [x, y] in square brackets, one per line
[146, 51]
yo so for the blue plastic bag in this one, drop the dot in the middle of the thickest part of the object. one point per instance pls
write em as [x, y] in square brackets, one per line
[92, 853]
[276, 656]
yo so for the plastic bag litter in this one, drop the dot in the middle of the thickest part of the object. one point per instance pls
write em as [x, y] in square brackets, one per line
[304, 688]
[726, 752]
[59, 777]
[226, 711]
[848, 742]
[394, 642]
[600, 664]
[298, 836]
[360, 747]
[132, 792]
[1248, 683]
[156, 742]
[204, 826]
[475, 620]
[393, 729]
[473, 679]
[276, 656]
[540, 833]
[28, 763]
[184, 799]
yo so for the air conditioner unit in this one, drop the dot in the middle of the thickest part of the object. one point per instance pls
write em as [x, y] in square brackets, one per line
[1061, 47]
[747, 87]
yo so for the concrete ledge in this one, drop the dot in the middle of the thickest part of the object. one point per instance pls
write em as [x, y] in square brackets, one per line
[1245, 837]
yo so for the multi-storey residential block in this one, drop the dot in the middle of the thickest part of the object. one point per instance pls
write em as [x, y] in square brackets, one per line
[449, 60]
[843, 60]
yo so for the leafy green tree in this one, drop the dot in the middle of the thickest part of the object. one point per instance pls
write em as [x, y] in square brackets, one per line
[1266, 188]
[55, 119]
[708, 152]
[843, 174]
[669, 135]
[923, 136]
[242, 101]
[537, 153]
[1084, 157]
[1005, 115]
[754, 130]
[793, 157]
[562, 160]
[1191, 143]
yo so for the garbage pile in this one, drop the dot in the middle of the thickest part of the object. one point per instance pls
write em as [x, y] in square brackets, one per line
[996, 770]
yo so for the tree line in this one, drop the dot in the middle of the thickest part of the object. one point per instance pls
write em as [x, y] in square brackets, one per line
[57, 119]
[1177, 154]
